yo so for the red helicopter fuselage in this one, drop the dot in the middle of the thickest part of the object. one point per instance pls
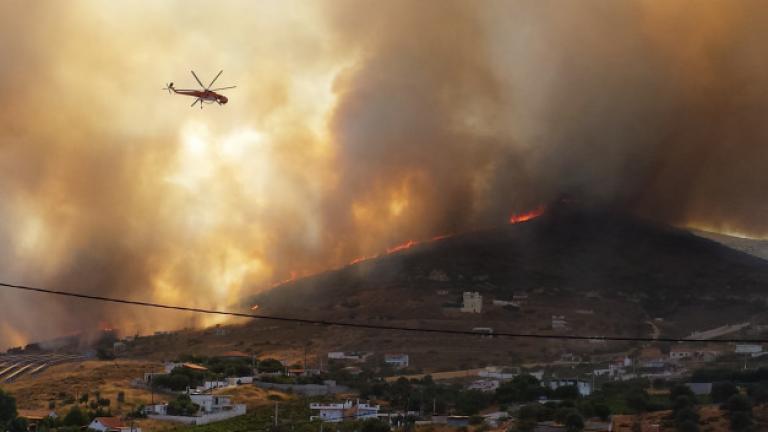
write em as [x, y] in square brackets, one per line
[206, 95]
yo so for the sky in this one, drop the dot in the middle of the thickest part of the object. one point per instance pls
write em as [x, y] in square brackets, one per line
[355, 126]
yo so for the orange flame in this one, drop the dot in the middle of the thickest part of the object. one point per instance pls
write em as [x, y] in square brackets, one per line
[294, 276]
[523, 217]
[254, 307]
[363, 258]
[403, 246]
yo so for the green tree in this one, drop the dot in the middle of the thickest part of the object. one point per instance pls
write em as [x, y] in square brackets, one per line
[603, 411]
[522, 388]
[681, 390]
[574, 423]
[722, 391]
[75, 417]
[18, 425]
[741, 421]
[270, 365]
[374, 425]
[637, 399]
[182, 406]
[688, 426]
[7, 408]
[739, 403]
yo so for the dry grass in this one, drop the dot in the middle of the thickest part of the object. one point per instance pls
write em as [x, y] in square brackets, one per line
[74, 379]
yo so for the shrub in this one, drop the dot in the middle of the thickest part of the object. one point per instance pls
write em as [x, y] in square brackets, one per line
[574, 423]
[741, 421]
[75, 417]
[688, 426]
[182, 406]
[722, 391]
[739, 403]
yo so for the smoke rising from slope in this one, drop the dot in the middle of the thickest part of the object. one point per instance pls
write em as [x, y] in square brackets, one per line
[355, 126]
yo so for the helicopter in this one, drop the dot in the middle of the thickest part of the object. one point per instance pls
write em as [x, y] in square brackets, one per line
[206, 95]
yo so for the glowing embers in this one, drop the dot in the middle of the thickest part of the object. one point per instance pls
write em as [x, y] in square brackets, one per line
[529, 215]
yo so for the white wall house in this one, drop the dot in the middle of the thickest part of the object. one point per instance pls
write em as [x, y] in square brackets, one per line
[341, 411]
[472, 302]
[397, 360]
[111, 424]
[356, 356]
[584, 387]
[484, 385]
[559, 322]
[213, 408]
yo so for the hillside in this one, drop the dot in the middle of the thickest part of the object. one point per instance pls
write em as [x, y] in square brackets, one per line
[756, 247]
[606, 271]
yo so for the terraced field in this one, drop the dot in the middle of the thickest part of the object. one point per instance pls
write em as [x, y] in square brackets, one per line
[15, 367]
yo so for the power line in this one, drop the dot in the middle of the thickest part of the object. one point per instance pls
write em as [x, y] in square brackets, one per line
[368, 326]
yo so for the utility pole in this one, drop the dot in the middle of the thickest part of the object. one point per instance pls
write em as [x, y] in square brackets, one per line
[276, 413]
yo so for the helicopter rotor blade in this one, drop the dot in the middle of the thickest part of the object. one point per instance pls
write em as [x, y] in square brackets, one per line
[223, 88]
[214, 80]
[198, 80]
[196, 101]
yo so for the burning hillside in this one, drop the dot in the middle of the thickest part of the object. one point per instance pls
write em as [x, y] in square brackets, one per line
[567, 252]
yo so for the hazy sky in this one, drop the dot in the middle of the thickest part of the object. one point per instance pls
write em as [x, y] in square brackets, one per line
[355, 125]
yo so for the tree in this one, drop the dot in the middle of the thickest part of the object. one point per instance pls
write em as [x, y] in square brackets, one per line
[105, 354]
[471, 402]
[182, 406]
[574, 423]
[374, 425]
[75, 417]
[739, 403]
[7, 408]
[522, 388]
[681, 390]
[758, 392]
[567, 392]
[741, 421]
[18, 425]
[686, 415]
[637, 400]
[681, 403]
[270, 365]
[688, 426]
[722, 391]
[603, 411]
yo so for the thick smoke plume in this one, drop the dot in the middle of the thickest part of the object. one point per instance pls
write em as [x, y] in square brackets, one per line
[355, 126]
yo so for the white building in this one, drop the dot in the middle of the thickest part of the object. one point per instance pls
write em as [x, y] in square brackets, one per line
[473, 302]
[486, 332]
[584, 387]
[484, 385]
[500, 373]
[355, 356]
[559, 322]
[340, 411]
[397, 360]
[749, 349]
[111, 424]
[213, 408]
[506, 303]
[439, 276]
